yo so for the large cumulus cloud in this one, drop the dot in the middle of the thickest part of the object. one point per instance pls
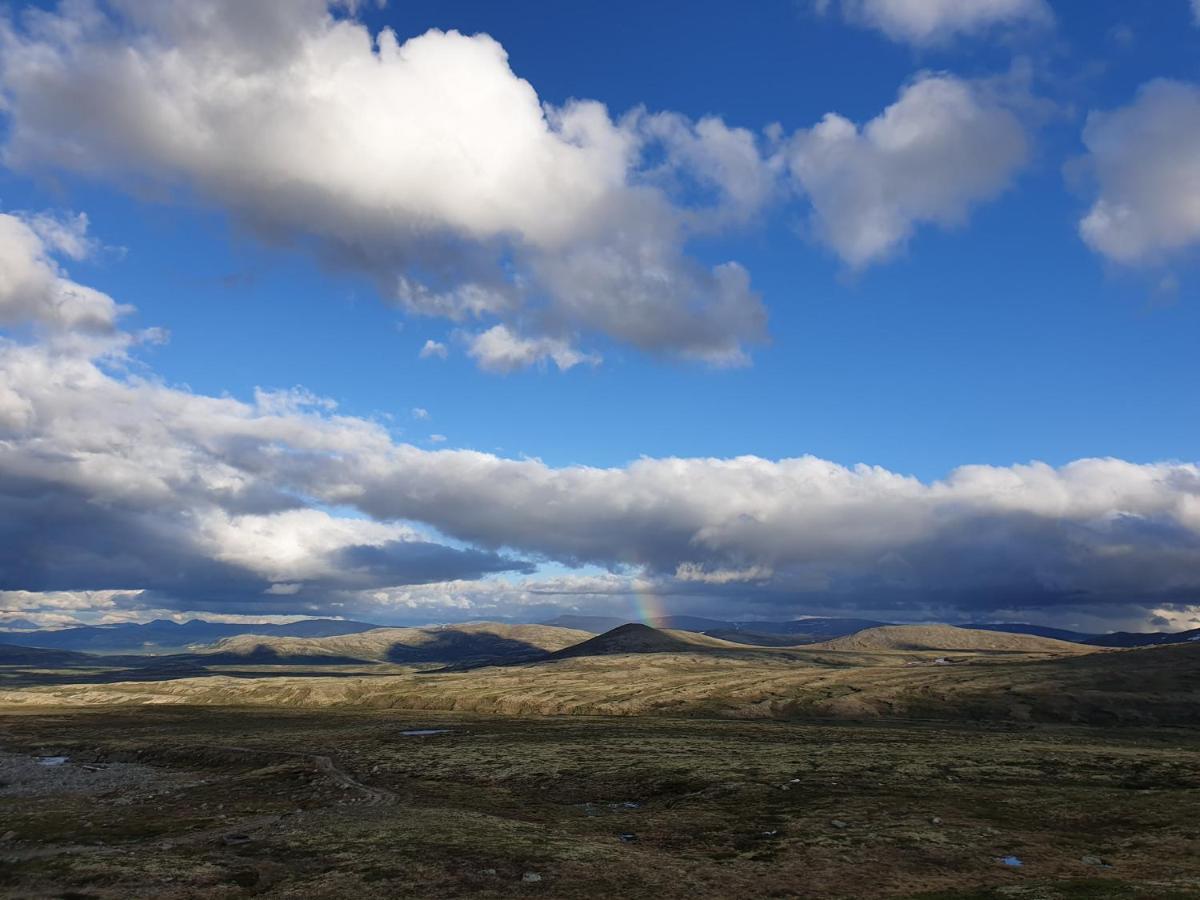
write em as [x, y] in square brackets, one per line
[427, 162]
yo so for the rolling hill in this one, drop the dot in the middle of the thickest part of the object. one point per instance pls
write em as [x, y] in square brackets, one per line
[1061, 634]
[1144, 639]
[1144, 686]
[637, 638]
[813, 628]
[948, 638]
[15, 655]
[165, 636]
[445, 644]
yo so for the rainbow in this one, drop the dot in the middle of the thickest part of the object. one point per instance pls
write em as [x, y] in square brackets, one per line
[647, 606]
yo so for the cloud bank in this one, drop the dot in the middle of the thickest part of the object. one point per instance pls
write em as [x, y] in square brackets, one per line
[112, 481]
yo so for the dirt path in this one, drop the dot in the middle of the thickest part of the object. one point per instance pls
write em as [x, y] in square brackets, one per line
[323, 764]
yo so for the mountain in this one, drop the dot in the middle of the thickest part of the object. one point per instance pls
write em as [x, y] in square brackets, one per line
[790, 633]
[815, 626]
[640, 671]
[758, 639]
[473, 642]
[15, 655]
[814, 629]
[163, 635]
[949, 638]
[601, 624]
[1059, 634]
[634, 637]
[1144, 639]
[593, 624]
[19, 625]
[686, 623]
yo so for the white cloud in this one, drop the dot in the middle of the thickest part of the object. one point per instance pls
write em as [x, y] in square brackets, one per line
[120, 486]
[929, 22]
[689, 571]
[943, 147]
[508, 596]
[1196, 11]
[433, 350]
[428, 163]
[156, 497]
[500, 350]
[437, 439]
[1145, 158]
[294, 545]
[224, 505]
[420, 413]
[33, 288]
[710, 156]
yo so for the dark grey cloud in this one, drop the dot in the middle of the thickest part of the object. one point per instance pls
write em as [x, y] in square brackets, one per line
[56, 538]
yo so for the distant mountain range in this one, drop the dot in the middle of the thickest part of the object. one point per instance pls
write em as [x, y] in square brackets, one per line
[165, 636]
[796, 631]
[812, 630]
[1144, 639]
[1059, 634]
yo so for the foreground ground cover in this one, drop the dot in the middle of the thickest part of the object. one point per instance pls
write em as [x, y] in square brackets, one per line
[215, 802]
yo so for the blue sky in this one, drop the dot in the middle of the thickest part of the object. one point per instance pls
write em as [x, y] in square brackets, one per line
[1005, 340]
[989, 333]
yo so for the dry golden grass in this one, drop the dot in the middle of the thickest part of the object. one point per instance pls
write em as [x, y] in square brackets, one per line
[435, 644]
[1149, 685]
[949, 637]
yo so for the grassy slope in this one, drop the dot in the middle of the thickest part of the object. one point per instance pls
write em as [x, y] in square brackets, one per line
[443, 644]
[949, 637]
[1147, 685]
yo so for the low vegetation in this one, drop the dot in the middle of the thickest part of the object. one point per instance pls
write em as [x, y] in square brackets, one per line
[918, 762]
[208, 802]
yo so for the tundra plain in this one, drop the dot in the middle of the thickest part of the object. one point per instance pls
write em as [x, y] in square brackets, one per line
[922, 762]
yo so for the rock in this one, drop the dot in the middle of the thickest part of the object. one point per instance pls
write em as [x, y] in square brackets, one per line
[232, 840]
[627, 837]
[8, 836]
[487, 871]
[838, 823]
[531, 877]
[1092, 861]
[935, 821]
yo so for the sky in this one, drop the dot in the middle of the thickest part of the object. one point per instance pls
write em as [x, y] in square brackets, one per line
[434, 311]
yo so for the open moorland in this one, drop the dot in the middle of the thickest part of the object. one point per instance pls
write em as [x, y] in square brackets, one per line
[495, 760]
[912, 672]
